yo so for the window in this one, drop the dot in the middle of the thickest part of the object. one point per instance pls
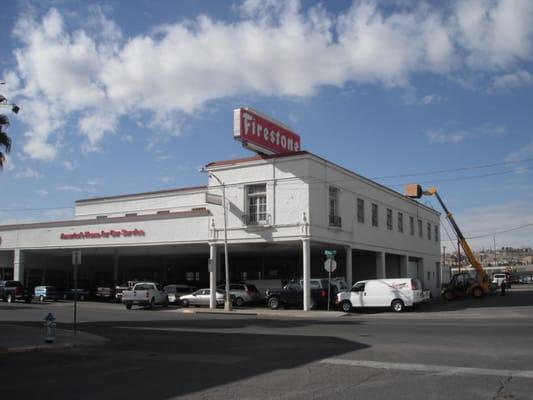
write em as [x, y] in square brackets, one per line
[361, 211]
[334, 219]
[257, 204]
[389, 219]
[192, 276]
[436, 233]
[164, 212]
[131, 214]
[429, 231]
[420, 227]
[429, 276]
[101, 217]
[400, 222]
[412, 226]
[374, 214]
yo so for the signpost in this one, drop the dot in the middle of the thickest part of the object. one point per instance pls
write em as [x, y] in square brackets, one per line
[76, 260]
[330, 265]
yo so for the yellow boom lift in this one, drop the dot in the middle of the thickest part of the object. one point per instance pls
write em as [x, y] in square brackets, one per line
[462, 283]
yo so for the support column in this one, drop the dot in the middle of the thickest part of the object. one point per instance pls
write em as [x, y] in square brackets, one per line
[403, 267]
[306, 253]
[18, 265]
[213, 268]
[43, 276]
[380, 265]
[115, 268]
[349, 270]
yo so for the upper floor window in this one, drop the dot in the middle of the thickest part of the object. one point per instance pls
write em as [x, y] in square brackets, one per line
[400, 222]
[361, 211]
[429, 231]
[374, 214]
[334, 218]
[389, 219]
[420, 227]
[436, 233]
[412, 226]
[257, 203]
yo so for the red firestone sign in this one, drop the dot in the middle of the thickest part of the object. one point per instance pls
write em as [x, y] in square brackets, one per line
[262, 134]
[102, 234]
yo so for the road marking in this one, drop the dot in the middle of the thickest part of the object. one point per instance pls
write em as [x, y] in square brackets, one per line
[438, 369]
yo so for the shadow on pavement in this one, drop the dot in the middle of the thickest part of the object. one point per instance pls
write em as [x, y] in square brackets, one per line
[159, 364]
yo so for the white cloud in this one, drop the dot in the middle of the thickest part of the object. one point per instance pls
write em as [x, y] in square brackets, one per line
[68, 165]
[28, 173]
[70, 188]
[42, 192]
[439, 136]
[431, 99]
[167, 179]
[95, 76]
[506, 82]
[493, 219]
[525, 152]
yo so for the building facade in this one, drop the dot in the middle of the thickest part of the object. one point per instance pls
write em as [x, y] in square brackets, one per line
[283, 212]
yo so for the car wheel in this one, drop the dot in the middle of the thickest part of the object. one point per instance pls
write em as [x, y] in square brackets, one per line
[41, 298]
[477, 292]
[273, 303]
[448, 295]
[10, 298]
[239, 302]
[397, 306]
[346, 306]
[185, 303]
[151, 304]
[128, 306]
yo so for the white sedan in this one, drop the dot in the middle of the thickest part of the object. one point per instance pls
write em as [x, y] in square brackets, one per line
[201, 298]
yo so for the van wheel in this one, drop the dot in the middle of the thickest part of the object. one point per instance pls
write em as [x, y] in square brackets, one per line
[346, 306]
[41, 298]
[128, 306]
[273, 303]
[477, 292]
[239, 302]
[397, 306]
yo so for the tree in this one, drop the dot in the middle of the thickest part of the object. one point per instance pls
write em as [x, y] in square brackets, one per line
[5, 140]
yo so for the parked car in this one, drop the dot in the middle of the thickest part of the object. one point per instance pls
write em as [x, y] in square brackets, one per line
[526, 279]
[105, 293]
[499, 278]
[82, 294]
[394, 293]
[43, 293]
[11, 291]
[175, 291]
[145, 294]
[120, 288]
[201, 298]
[243, 293]
[292, 295]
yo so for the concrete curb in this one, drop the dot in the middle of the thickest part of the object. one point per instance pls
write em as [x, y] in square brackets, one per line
[268, 313]
[29, 349]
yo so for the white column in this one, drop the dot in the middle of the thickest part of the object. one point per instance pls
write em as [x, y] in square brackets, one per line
[115, 268]
[403, 267]
[213, 275]
[380, 265]
[349, 270]
[306, 252]
[18, 265]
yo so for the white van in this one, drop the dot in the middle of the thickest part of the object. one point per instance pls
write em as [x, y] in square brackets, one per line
[394, 293]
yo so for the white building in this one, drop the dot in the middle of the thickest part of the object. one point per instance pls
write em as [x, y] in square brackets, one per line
[283, 212]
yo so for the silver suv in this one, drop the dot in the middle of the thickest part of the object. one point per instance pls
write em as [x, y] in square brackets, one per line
[244, 293]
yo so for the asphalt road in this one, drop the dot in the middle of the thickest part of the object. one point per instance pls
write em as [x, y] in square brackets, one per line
[461, 350]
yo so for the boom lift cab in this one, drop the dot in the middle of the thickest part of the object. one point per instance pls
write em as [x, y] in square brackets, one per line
[462, 283]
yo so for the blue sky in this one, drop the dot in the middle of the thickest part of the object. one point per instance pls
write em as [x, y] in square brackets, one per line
[122, 97]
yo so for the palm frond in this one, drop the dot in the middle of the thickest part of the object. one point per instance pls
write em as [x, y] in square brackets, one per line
[4, 120]
[5, 141]
[2, 159]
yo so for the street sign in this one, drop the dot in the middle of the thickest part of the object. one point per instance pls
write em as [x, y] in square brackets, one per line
[76, 257]
[330, 265]
[330, 253]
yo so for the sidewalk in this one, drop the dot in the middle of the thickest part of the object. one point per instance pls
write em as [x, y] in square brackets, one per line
[258, 311]
[24, 338]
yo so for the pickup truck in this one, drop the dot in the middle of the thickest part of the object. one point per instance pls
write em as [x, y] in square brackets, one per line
[145, 294]
[292, 295]
[11, 291]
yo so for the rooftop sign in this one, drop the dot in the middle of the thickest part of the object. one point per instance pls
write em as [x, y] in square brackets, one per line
[262, 134]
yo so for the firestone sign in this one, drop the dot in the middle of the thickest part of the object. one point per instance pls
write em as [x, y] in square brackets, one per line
[102, 234]
[262, 134]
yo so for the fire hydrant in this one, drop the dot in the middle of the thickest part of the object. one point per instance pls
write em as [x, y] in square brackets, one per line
[49, 327]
